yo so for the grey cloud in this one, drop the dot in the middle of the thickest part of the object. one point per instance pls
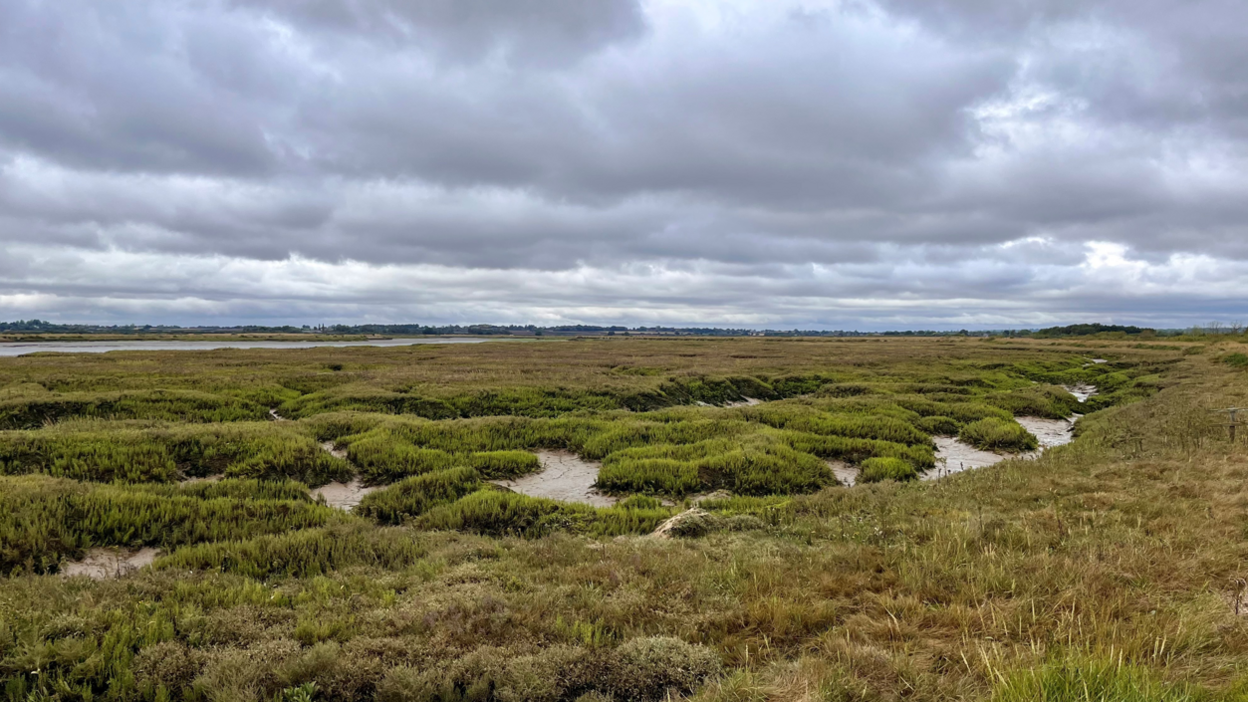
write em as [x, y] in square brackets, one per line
[791, 159]
[1154, 63]
[544, 32]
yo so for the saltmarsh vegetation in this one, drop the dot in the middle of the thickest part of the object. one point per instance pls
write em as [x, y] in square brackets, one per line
[876, 469]
[998, 435]
[1106, 569]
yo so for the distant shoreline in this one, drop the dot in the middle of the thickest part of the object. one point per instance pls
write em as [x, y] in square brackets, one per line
[12, 349]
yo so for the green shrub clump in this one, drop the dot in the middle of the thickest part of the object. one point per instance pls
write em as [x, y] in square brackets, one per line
[1236, 360]
[418, 494]
[997, 435]
[502, 513]
[504, 464]
[940, 426]
[875, 470]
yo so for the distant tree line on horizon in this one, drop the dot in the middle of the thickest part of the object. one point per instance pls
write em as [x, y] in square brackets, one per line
[37, 326]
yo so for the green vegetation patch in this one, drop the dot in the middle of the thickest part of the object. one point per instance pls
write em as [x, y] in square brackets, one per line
[1235, 360]
[1090, 679]
[43, 520]
[874, 470]
[129, 452]
[998, 435]
[418, 494]
[500, 513]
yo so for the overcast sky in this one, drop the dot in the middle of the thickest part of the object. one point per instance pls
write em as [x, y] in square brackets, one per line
[769, 163]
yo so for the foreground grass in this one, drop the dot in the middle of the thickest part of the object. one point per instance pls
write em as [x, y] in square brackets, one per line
[1105, 570]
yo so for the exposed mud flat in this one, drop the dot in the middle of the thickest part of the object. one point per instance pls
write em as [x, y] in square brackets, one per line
[847, 474]
[277, 417]
[102, 563]
[1050, 432]
[564, 476]
[954, 456]
[334, 451]
[1081, 392]
[344, 496]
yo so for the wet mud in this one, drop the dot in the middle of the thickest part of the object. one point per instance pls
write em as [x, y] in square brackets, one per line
[104, 563]
[564, 476]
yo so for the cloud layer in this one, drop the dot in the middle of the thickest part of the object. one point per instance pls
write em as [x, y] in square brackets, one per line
[865, 164]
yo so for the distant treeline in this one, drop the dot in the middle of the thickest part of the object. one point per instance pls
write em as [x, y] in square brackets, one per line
[36, 326]
[1090, 329]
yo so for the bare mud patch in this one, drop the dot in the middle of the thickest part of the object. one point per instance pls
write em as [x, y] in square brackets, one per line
[1050, 432]
[333, 450]
[954, 456]
[277, 417]
[847, 474]
[343, 496]
[564, 476]
[103, 563]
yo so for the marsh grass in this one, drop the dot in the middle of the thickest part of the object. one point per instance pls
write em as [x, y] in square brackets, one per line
[43, 520]
[1106, 567]
[501, 513]
[997, 435]
[418, 494]
[137, 452]
[1092, 679]
[875, 470]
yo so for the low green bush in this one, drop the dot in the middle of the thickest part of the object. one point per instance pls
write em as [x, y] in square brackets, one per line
[412, 497]
[1235, 360]
[662, 476]
[303, 553]
[875, 470]
[940, 426]
[504, 464]
[501, 513]
[997, 435]
[234, 488]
